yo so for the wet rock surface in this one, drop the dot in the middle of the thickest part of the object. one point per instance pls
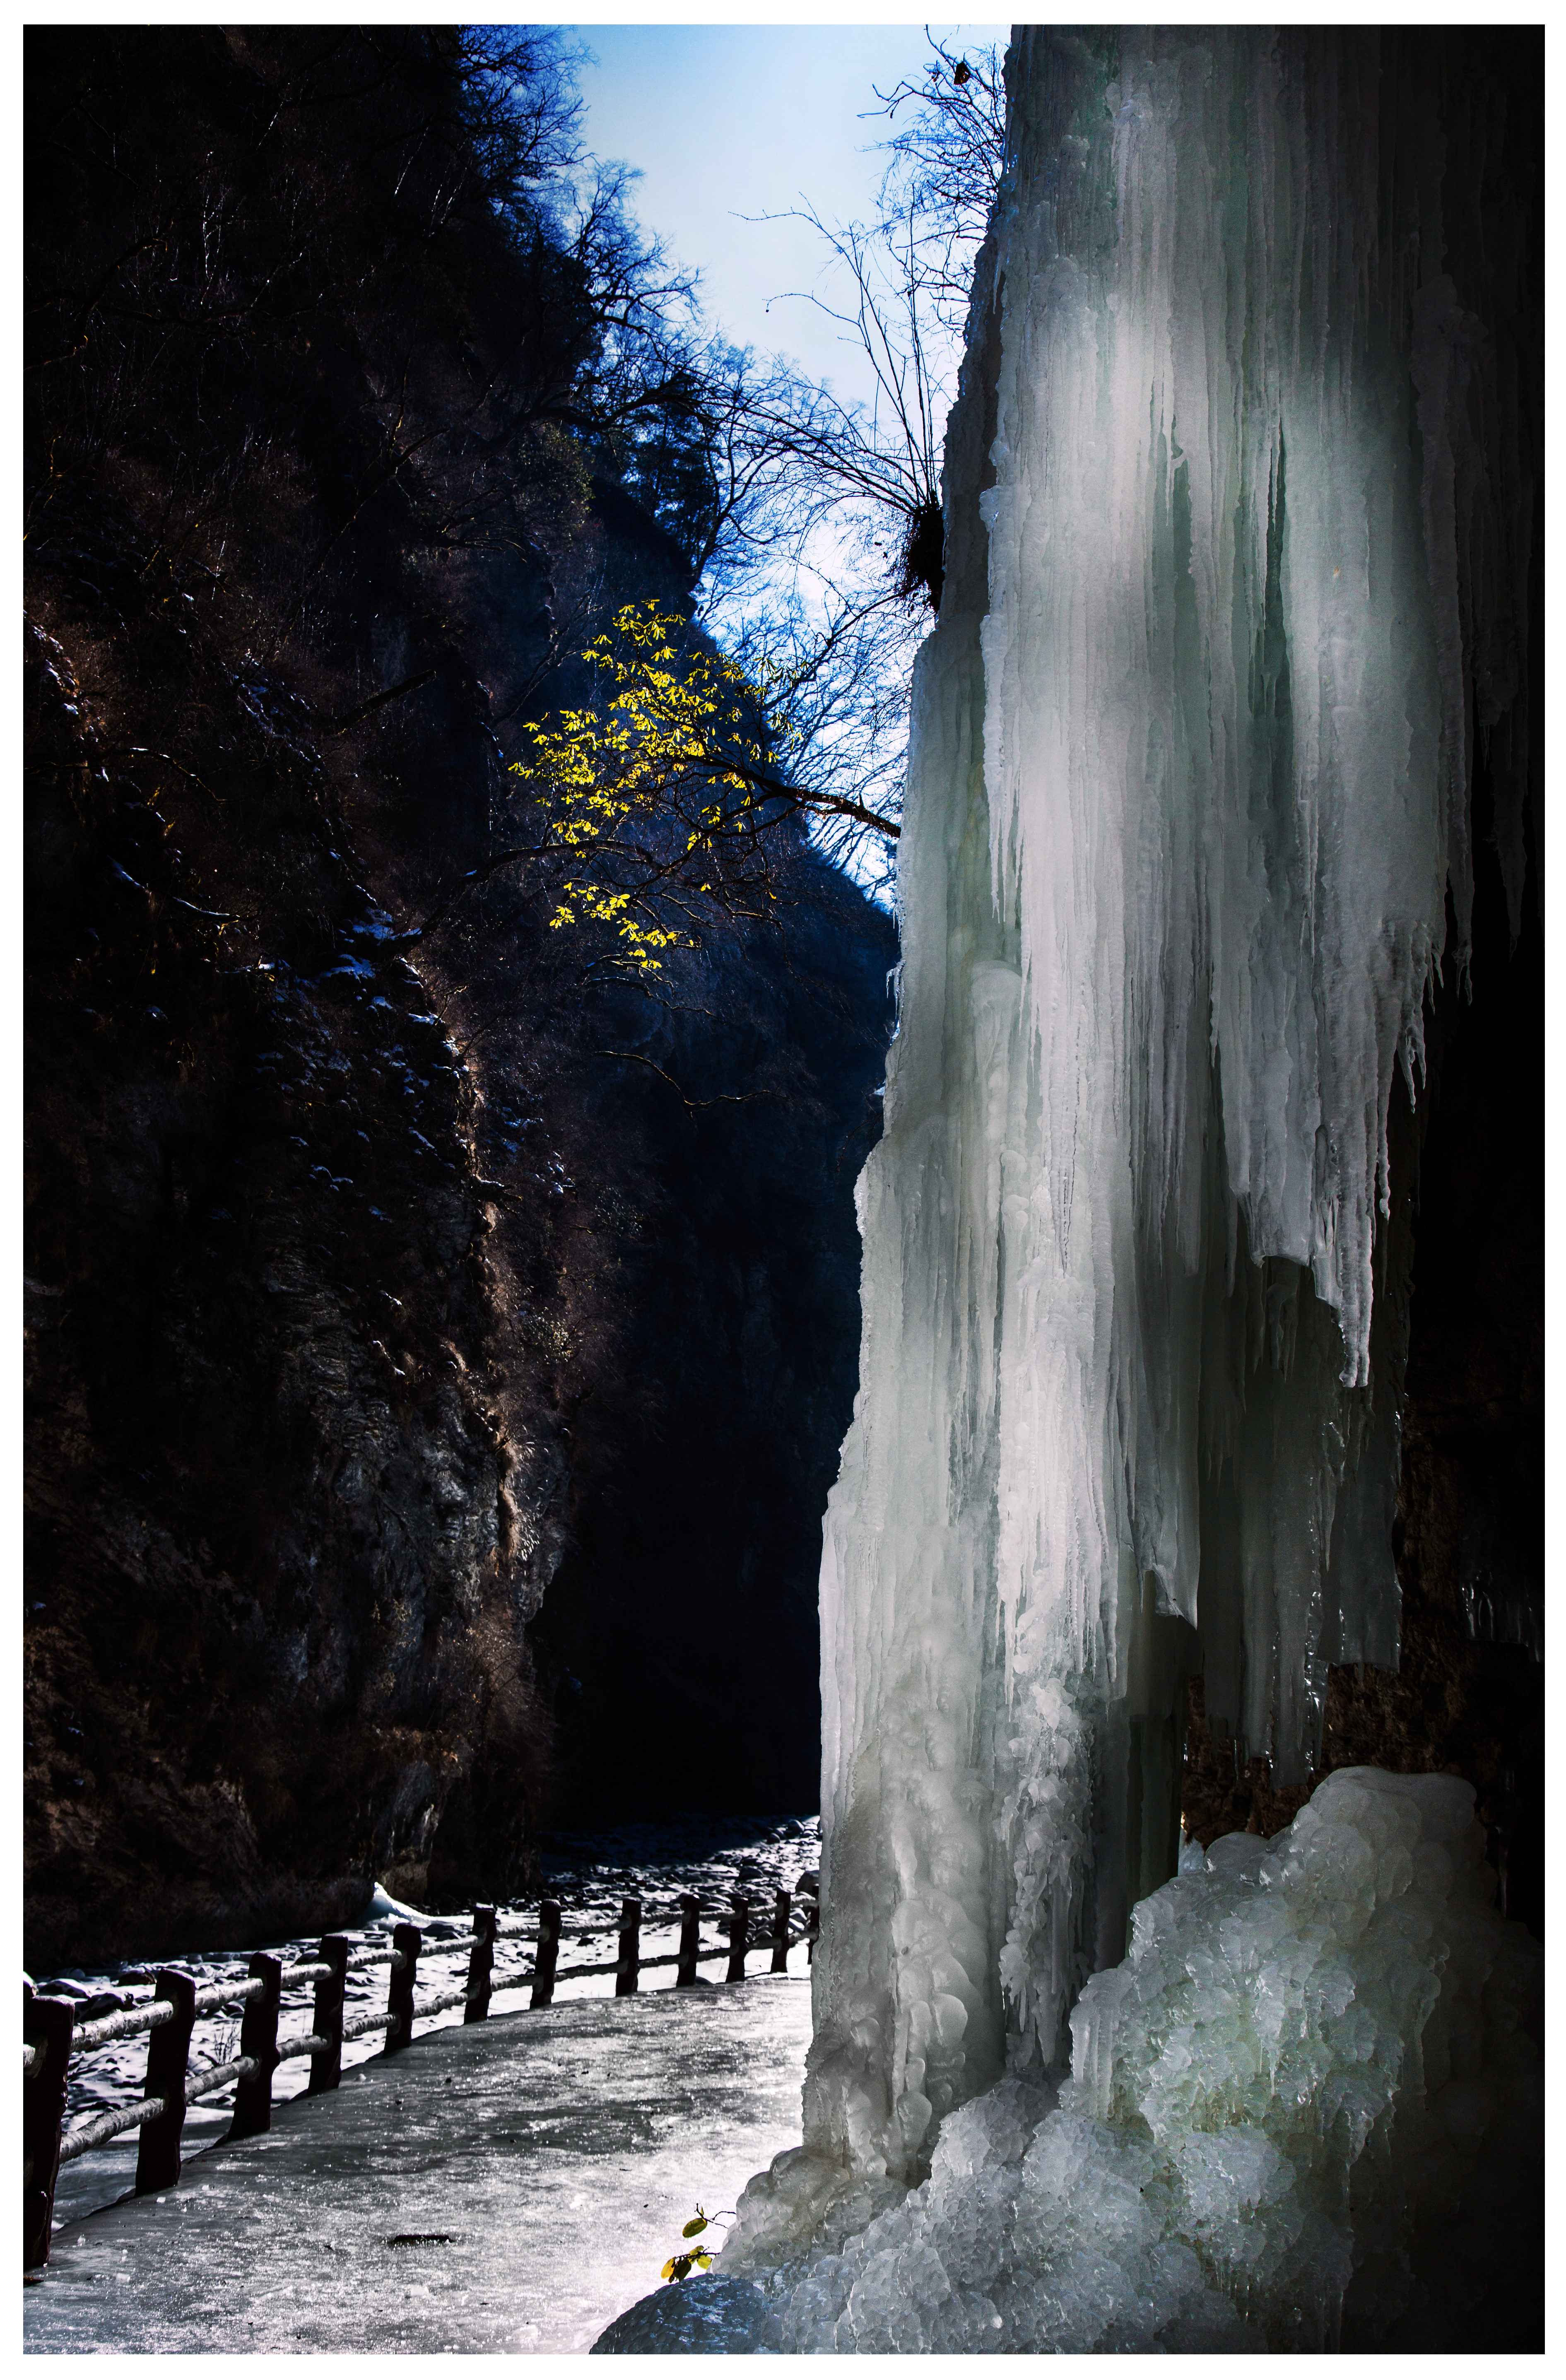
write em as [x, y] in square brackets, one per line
[710, 2315]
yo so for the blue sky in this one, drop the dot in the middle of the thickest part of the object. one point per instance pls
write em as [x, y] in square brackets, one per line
[729, 121]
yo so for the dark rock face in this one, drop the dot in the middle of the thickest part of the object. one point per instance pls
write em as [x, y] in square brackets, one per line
[686, 1602]
[297, 1483]
[370, 1269]
[282, 1546]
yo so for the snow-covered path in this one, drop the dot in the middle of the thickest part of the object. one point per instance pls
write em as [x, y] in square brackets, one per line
[508, 2187]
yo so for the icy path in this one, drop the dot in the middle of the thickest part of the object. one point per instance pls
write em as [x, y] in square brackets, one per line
[543, 2163]
[587, 1874]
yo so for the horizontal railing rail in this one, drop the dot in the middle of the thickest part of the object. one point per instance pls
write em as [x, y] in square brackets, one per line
[137, 2019]
[51, 2037]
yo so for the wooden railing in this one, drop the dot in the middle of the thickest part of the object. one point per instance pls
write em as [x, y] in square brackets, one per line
[51, 2039]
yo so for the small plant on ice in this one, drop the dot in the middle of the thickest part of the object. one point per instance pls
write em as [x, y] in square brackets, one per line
[679, 2264]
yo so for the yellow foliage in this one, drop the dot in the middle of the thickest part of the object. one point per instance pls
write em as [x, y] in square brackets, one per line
[681, 2262]
[672, 720]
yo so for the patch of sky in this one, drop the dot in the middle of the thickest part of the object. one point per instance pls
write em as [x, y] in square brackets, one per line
[732, 129]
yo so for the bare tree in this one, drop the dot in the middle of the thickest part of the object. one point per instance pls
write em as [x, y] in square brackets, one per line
[826, 542]
[947, 158]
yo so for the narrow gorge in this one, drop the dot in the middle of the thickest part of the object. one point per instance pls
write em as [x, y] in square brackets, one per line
[731, 1111]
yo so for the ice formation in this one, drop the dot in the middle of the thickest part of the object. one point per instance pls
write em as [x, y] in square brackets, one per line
[1237, 519]
[1303, 2112]
[1237, 503]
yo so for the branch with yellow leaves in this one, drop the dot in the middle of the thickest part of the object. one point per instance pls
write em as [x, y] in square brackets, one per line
[673, 783]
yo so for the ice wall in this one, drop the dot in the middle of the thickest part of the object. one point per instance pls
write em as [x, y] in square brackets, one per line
[1236, 543]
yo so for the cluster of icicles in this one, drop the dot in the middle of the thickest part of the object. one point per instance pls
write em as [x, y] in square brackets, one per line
[1233, 560]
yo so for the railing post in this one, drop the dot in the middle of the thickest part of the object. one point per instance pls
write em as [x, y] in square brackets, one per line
[545, 1955]
[326, 2065]
[257, 2039]
[629, 1961]
[812, 1927]
[47, 2024]
[739, 1927]
[480, 1967]
[690, 1940]
[407, 1943]
[168, 2055]
[781, 1909]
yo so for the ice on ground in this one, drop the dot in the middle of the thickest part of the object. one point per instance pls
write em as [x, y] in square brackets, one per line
[497, 2189]
[1305, 2111]
[589, 1873]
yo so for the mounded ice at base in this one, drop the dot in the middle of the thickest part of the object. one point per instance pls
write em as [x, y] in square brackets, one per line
[1305, 2111]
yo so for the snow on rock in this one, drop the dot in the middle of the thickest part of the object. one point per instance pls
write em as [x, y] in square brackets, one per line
[1303, 2111]
[381, 1908]
[1234, 498]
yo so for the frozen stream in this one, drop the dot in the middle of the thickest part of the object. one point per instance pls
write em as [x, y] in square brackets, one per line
[589, 1874]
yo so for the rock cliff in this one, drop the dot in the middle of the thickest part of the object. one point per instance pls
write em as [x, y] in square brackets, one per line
[373, 1264]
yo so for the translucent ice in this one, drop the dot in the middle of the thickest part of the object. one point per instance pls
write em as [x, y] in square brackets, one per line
[1305, 2111]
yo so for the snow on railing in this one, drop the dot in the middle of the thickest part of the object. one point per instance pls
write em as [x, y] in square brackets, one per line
[50, 2037]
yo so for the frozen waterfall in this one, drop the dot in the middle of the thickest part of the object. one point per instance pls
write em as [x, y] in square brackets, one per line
[1234, 565]
[1237, 520]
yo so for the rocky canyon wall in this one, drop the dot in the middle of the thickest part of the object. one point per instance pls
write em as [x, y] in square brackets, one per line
[373, 1266]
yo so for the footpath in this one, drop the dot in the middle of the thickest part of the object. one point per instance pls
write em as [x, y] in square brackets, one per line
[496, 2188]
